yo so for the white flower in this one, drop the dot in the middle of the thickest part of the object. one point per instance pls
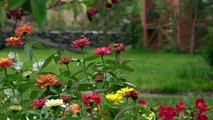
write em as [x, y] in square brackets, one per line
[54, 103]
[18, 65]
[26, 73]
[37, 65]
[12, 55]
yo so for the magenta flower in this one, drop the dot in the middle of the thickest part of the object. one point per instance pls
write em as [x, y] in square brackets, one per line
[102, 51]
[65, 60]
[91, 12]
[180, 107]
[81, 42]
[166, 113]
[38, 103]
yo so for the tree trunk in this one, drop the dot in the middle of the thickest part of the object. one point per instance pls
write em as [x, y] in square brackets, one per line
[192, 47]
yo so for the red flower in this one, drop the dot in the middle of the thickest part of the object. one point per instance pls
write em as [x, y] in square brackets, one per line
[91, 98]
[200, 105]
[108, 5]
[16, 13]
[65, 98]
[23, 29]
[117, 47]
[167, 113]
[133, 94]
[58, 83]
[180, 107]
[13, 41]
[38, 103]
[81, 42]
[99, 78]
[142, 102]
[114, 1]
[102, 51]
[5, 63]
[65, 60]
[201, 117]
[91, 12]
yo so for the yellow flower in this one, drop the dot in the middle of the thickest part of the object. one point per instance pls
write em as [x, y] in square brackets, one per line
[124, 91]
[114, 98]
[15, 107]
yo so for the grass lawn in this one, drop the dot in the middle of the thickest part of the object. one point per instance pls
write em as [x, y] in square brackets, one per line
[154, 72]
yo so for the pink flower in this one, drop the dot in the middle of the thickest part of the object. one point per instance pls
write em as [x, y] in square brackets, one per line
[91, 12]
[117, 47]
[102, 51]
[81, 42]
[65, 60]
[91, 98]
[201, 117]
[180, 107]
[142, 102]
[99, 78]
[38, 103]
[58, 83]
[167, 113]
[200, 105]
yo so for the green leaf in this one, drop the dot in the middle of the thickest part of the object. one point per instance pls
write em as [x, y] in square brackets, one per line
[47, 61]
[13, 4]
[28, 49]
[3, 16]
[90, 58]
[126, 68]
[125, 62]
[39, 11]
[37, 45]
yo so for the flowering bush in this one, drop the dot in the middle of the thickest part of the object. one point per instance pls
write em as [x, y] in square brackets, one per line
[96, 91]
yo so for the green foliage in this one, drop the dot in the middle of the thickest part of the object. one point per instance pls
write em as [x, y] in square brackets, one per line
[209, 48]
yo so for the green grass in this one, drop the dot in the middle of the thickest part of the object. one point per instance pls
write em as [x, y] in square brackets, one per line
[154, 71]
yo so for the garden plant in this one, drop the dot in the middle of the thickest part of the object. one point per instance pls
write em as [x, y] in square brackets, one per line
[97, 90]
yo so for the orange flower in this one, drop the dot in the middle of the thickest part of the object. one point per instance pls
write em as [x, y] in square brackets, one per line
[5, 63]
[74, 108]
[45, 80]
[23, 29]
[13, 41]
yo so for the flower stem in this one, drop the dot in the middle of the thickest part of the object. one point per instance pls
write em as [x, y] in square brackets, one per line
[68, 69]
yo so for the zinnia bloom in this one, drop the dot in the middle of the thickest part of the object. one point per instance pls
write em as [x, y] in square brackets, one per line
[99, 78]
[81, 42]
[65, 98]
[200, 105]
[38, 103]
[45, 80]
[125, 91]
[167, 113]
[142, 102]
[117, 47]
[58, 83]
[91, 98]
[114, 98]
[5, 63]
[13, 41]
[23, 29]
[201, 117]
[91, 12]
[65, 60]
[74, 108]
[180, 107]
[114, 1]
[16, 13]
[54, 103]
[102, 51]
